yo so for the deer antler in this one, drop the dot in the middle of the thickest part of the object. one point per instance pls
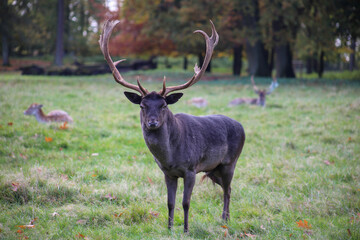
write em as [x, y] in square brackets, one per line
[211, 42]
[103, 41]
[253, 83]
[274, 84]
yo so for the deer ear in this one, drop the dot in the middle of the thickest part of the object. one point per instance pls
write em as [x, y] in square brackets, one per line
[133, 97]
[173, 98]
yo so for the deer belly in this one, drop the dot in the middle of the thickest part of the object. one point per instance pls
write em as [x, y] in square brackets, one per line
[171, 169]
[212, 159]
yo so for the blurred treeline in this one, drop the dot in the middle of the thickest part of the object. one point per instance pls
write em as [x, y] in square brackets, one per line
[268, 34]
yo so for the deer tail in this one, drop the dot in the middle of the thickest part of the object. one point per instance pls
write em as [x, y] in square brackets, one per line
[213, 178]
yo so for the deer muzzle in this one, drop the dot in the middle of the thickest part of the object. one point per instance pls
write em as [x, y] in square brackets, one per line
[152, 123]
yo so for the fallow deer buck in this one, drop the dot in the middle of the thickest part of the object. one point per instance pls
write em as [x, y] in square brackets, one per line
[53, 116]
[182, 144]
[261, 100]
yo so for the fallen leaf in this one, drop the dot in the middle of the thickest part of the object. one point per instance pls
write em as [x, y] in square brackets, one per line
[150, 181]
[81, 221]
[19, 231]
[10, 123]
[327, 162]
[26, 226]
[23, 156]
[64, 126]
[225, 233]
[118, 215]
[64, 177]
[80, 235]
[15, 186]
[303, 224]
[93, 175]
[55, 214]
[349, 139]
[355, 219]
[154, 214]
[224, 226]
[110, 196]
[250, 235]
[349, 232]
[32, 221]
[48, 139]
[290, 235]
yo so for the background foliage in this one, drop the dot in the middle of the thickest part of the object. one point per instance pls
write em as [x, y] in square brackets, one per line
[268, 34]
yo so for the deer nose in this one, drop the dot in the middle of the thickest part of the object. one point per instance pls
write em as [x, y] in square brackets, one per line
[152, 123]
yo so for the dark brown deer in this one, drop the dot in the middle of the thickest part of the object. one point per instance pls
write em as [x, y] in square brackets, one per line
[261, 100]
[182, 144]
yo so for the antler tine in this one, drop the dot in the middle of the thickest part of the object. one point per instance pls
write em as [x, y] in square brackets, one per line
[253, 83]
[211, 42]
[103, 42]
[274, 84]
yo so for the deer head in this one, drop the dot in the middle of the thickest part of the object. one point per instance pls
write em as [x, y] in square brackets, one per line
[33, 109]
[263, 92]
[154, 105]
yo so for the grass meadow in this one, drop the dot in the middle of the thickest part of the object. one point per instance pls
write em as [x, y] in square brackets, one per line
[297, 178]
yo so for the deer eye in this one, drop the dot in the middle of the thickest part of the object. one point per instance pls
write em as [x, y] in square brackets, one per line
[142, 107]
[164, 107]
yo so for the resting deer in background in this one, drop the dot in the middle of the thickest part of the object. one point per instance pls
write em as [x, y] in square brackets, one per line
[53, 116]
[261, 100]
[182, 144]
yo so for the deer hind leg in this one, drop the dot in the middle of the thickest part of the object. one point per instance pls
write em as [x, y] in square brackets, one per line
[227, 172]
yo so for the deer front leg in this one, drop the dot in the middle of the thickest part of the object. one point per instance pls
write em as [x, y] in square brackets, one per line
[171, 184]
[189, 182]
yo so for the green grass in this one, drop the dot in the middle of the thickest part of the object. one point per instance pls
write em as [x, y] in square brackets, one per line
[281, 176]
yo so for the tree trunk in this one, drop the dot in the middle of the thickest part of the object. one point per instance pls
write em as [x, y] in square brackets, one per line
[208, 69]
[352, 54]
[315, 63]
[185, 63]
[257, 58]
[4, 28]
[5, 50]
[283, 62]
[271, 60]
[201, 61]
[59, 50]
[309, 68]
[237, 63]
[255, 51]
[321, 64]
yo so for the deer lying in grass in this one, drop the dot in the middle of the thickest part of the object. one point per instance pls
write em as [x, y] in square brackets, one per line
[182, 144]
[261, 100]
[53, 116]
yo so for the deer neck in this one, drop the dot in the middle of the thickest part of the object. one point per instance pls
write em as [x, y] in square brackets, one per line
[40, 116]
[162, 141]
